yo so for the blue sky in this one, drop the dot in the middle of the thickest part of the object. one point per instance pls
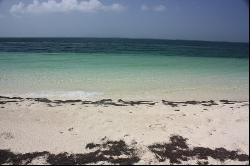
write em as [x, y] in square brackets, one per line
[210, 20]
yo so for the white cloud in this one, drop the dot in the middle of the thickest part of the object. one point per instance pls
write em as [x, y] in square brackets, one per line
[144, 7]
[53, 6]
[158, 8]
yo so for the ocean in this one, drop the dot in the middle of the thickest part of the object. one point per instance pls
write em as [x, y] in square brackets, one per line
[94, 68]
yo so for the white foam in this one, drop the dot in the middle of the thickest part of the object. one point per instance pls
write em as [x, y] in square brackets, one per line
[67, 95]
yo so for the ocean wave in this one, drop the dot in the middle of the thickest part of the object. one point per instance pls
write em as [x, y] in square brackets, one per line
[57, 95]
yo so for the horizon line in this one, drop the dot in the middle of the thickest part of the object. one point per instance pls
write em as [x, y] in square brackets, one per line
[132, 38]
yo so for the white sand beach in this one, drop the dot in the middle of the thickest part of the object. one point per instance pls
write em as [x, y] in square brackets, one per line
[124, 82]
[28, 126]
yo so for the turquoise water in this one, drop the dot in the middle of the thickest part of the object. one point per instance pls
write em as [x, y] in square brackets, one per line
[163, 70]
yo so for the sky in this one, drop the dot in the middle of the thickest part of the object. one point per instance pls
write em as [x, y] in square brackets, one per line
[207, 20]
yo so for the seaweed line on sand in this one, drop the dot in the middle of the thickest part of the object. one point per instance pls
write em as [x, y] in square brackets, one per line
[118, 152]
[110, 102]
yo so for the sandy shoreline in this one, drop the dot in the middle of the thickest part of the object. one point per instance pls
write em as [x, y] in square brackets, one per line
[123, 132]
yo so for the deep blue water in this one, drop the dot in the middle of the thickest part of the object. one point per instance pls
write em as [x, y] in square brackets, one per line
[126, 46]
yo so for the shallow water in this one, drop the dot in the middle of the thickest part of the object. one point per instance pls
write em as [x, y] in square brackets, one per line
[149, 69]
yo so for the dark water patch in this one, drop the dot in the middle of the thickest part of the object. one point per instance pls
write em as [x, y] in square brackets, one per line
[125, 46]
[178, 151]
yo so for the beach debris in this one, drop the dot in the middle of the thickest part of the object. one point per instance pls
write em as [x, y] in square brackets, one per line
[132, 103]
[103, 102]
[71, 129]
[228, 102]
[119, 102]
[7, 157]
[6, 135]
[177, 151]
[118, 152]
[113, 152]
[185, 103]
